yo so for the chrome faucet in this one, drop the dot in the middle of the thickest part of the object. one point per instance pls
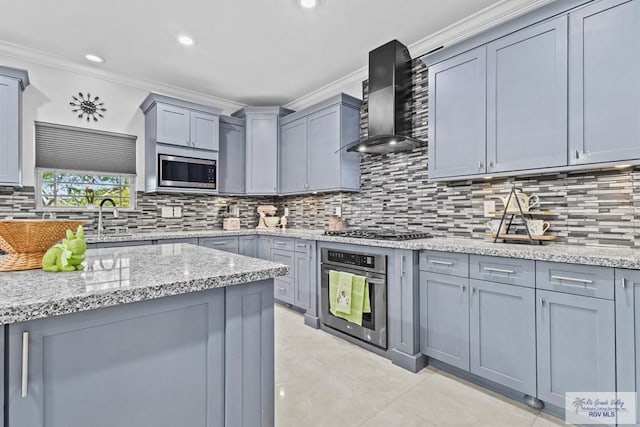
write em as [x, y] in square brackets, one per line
[115, 214]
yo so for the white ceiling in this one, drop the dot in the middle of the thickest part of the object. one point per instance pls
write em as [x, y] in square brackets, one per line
[256, 52]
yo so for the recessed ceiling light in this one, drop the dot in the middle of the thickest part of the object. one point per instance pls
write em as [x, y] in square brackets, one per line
[308, 3]
[185, 40]
[94, 58]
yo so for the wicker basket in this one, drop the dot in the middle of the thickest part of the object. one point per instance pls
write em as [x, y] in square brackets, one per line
[26, 240]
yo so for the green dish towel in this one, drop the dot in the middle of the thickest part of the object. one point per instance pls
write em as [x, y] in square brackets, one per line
[360, 301]
[343, 297]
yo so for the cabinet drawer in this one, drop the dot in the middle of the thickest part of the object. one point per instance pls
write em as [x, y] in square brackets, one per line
[285, 243]
[511, 271]
[283, 290]
[576, 279]
[445, 263]
[227, 244]
[193, 241]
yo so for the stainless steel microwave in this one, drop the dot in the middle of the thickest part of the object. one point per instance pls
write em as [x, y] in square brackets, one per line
[186, 172]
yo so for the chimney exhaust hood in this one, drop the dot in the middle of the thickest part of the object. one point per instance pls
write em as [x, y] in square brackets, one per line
[390, 128]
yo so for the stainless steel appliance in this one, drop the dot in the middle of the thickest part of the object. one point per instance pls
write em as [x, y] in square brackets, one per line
[379, 234]
[374, 268]
[186, 172]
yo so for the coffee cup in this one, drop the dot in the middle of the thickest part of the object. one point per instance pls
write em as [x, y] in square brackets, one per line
[494, 225]
[537, 227]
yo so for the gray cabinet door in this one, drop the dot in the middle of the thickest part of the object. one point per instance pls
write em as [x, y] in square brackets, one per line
[444, 318]
[284, 285]
[503, 334]
[227, 244]
[232, 159]
[457, 94]
[628, 332]
[154, 363]
[248, 246]
[576, 345]
[173, 125]
[262, 154]
[324, 142]
[249, 390]
[604, 88]
[10, 106]
[527, 98]
[304, 276]
[294, 157]
[264, 247]
[204, 131]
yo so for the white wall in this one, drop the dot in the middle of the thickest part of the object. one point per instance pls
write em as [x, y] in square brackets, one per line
[47, 99]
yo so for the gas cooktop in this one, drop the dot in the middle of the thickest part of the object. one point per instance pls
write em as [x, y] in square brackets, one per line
[379, 234]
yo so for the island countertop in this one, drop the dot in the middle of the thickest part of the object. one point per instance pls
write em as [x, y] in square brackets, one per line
[123, 275]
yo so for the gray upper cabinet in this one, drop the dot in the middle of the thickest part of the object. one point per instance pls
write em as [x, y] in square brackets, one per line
[527, 98]
[444, 318]
[12, 83]
[153, 363]
[457, 95]
[176, 122]
[604, 67]
[576, 345]
[294, 156]
[310, 151]
[204, 131]
[262, 144]
[503, 351]
[628, 332]
[232, 156]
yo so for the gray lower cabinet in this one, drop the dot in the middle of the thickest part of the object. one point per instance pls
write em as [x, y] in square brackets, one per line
[232, 156]
[123, 244]
[2, 382]
[527, 98]
[284, 286]
[502, 334]
[249, 355]
[604, 85]
[628, 332]
[154, 363]
[457, 94]
[190, 241]
[576, 345]
[444, 318]
[264, 247]
[248, 246]
[304, 288]
[227, 244]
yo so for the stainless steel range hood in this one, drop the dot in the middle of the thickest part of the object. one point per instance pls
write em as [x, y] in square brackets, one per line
[389, 106]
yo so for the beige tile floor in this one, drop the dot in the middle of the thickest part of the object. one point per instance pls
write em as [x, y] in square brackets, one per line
[322, 381]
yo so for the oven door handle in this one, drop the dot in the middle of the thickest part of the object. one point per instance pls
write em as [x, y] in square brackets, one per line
[372, 279]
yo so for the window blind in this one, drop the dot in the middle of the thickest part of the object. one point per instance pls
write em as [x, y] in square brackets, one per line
[72, 148]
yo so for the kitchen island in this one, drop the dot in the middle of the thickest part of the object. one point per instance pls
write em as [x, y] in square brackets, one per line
[163, 335]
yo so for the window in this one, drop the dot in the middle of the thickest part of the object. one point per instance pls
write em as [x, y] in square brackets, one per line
[73, 189]
[77, 167]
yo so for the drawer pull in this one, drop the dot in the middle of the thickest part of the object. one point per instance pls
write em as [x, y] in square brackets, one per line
[25, 363]
[447, 263]
[280, 243]
[281, 289]
[624, 283]
[498, 270]
[541, 302]
[572, 279]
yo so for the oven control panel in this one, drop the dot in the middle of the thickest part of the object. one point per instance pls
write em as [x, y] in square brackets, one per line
[349, 258]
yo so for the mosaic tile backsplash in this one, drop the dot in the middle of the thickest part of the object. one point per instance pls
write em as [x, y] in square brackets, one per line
[592, 208]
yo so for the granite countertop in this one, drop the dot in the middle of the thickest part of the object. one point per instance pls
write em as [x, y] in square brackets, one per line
[556, 252]
[126, 274]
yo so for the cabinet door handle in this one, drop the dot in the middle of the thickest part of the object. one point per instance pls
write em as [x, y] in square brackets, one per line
[624, 283]
[490, 164]
[473, 290]
[436, 262]
[541, 302]
[498, 270]
[402, 265]
[572, 279]
[480, 165]
[577, 154]
[464, 288]
[25, 363]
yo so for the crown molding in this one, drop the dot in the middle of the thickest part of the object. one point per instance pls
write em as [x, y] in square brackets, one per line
[42, 58]
[497, 13]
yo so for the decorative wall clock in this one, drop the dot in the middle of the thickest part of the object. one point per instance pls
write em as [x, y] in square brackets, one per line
[87, 107]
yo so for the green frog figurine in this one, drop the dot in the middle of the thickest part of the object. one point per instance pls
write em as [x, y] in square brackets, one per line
[68, 255]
